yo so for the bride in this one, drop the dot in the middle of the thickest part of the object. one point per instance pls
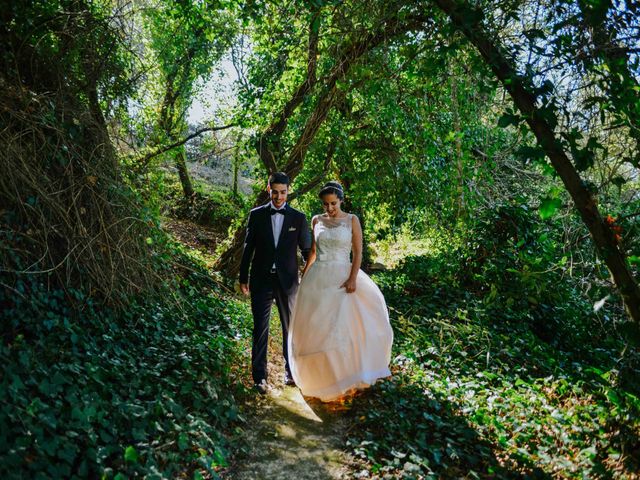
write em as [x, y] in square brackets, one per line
[339, 335]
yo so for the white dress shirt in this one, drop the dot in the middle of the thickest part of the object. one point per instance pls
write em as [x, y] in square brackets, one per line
[276, 225]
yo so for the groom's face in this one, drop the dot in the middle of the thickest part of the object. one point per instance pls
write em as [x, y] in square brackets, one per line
[278, 193]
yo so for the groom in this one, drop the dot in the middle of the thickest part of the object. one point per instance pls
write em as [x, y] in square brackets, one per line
[275, 231]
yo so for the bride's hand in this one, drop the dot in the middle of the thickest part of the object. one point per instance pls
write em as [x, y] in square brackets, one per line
[349, 285]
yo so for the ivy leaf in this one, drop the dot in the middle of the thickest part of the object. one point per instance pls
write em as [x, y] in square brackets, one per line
[183, 441]
[130, 455]
[634, 260]
[549, 207]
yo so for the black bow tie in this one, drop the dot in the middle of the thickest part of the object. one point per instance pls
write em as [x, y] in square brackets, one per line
[274, 211]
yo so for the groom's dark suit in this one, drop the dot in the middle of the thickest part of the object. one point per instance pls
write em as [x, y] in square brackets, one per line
[267, 283]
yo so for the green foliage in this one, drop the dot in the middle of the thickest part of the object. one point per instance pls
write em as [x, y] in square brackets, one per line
[479, 392]
[94, 392]
[209, 207]
[179, 46]
[507, 256]
[66, 39]
[549, 206]
[503, 367]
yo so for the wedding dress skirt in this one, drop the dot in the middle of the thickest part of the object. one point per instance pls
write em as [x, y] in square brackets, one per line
[338, 341]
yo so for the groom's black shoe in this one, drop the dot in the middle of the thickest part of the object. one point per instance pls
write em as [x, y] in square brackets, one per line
[262, 387]
[288, 379]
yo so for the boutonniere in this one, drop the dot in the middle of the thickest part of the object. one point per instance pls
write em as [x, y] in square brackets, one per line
[292, 229]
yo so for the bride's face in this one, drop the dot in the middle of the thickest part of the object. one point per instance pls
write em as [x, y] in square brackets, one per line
[331, 204]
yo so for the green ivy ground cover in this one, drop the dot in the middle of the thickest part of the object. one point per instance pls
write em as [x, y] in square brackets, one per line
[93, 393]
[477, 394]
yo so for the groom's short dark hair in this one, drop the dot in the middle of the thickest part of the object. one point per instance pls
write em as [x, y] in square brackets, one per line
[279, 177]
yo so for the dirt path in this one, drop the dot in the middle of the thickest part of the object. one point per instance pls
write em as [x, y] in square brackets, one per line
[289, 437]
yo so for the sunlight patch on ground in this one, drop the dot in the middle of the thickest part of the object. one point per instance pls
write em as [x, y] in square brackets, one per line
[288, 437]
[287, 440]
[292, 400]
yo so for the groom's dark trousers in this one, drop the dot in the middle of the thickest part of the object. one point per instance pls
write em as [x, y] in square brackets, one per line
[261, 302]
[268, 283]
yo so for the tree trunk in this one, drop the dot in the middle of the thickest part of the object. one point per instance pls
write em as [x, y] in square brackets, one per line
[183, 173]
[467, 21]
[236, 171]
[236, 161]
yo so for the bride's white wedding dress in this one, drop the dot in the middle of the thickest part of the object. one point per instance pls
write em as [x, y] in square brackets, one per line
[338, 341]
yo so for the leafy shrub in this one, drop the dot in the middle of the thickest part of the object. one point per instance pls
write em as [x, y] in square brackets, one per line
[510, 261]
[207, 207]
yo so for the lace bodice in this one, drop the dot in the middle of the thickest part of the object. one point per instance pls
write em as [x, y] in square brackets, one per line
[333, 239]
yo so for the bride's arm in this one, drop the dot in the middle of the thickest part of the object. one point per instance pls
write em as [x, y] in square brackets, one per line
[356, 249]
[312, 253]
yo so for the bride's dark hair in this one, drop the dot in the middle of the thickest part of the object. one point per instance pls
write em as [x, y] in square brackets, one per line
[332, 187]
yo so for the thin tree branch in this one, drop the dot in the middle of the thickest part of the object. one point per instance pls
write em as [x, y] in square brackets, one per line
[631, 215]
[331, 93]
[467, 20]
[145, 160]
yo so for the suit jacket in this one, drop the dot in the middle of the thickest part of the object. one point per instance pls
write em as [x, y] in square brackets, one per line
[261, 253]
